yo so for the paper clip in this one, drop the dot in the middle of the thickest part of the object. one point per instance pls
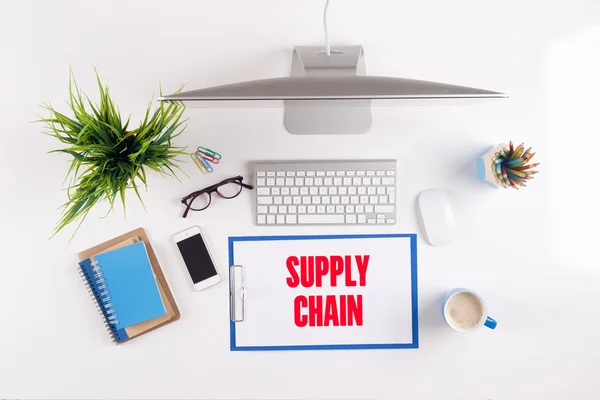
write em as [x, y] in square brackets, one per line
[199, 163]
[209, 152]
[208, 157]
[206, 164]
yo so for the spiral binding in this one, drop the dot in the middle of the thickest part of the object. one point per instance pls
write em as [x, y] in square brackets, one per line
[102, 300]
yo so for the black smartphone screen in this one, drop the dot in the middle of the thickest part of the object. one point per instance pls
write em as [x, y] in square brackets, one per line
[196, 258]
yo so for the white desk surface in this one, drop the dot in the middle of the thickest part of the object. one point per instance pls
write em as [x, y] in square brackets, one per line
[531, 254]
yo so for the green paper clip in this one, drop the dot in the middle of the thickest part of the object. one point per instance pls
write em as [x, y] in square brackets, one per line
[209, 152]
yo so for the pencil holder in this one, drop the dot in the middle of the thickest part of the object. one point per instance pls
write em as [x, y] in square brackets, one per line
[505, 166]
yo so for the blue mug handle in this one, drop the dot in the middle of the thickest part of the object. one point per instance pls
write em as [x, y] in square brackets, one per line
[490, 323]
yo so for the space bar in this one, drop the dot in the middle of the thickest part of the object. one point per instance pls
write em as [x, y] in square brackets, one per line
[321, 219]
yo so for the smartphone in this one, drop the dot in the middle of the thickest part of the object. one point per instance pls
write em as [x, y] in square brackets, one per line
[196, 258]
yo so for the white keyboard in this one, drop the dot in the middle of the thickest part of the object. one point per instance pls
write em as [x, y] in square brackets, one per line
[325, 192]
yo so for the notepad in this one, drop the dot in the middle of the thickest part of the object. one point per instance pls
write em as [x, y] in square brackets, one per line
[124, 286]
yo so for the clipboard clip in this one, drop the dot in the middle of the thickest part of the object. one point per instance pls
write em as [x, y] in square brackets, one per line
[237, 293]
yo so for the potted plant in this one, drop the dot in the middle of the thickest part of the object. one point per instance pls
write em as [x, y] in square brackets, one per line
[110, 157]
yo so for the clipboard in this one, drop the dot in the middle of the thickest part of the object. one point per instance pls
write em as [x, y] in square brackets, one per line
[263, 309]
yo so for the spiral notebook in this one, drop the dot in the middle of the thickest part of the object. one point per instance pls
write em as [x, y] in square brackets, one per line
[172, 312]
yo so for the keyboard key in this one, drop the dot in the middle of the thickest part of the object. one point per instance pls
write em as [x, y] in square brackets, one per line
[280, 173]
[260, 173]
[291, 173]
[369, 209]
[260, 182]
[300, 173]
[380, 216]
[342, 190]
[350, 173]
[352, 190]
[277, 200]
[321, 219]
[270, 173]
[362, 190]
[316, 200]
[282, 210]
[285, 191]
[387, 181]
[299, 182]
[314, 190]
[321, 209]
[354, 199]
[296, 200]
[374, 200]
[376, 181]
[383, 199]
[356, 181]
[303, 191]
[380, 221]
[370, 173]
[291, 219]
[328, 181]
[360, 209]
[345, 200]
[337, 181]
[390, 190]
[384, 209]
[326, 200]
[301, 209]
[309, 181]
[275, 191]
[280, 181]
[390, 221]
[262, 219]
[347, 181]
[292, 209]
[289, 181]
[366, 181]
[340, 209]
[391, 198]
[350, 219]
[330, 209]
[311, 209]
[318, 181]
[380, 173]
[263, 191]
[264, 200]
[333, 190]
[390, 173]
[360, 173]
[273, 209]
[261, 209]
[322, 190]
[320, 173]
[306, 200]
[281, 219]
[330, 173]
[381, 190]
[350, 209]
[335, 199]
[287, 200]
[310, 173]
[270, 181]
[371, 190]
[339, 173]
[270, 219]
[371, 221]
[294, 191]
[362, 219]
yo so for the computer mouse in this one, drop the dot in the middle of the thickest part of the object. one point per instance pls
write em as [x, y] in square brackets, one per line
[437, 217]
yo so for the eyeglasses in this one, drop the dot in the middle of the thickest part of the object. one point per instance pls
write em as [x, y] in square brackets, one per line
[227, 189]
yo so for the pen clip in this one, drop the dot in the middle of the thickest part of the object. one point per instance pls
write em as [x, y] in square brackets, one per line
[209, 152]
[199, 163]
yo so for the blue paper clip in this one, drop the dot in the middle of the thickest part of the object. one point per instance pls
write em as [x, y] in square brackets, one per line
[206, 164]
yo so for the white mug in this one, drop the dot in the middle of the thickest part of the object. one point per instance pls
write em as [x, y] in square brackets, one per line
[485, 320]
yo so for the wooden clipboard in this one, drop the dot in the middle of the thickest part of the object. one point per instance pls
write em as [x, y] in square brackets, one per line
[173, 313]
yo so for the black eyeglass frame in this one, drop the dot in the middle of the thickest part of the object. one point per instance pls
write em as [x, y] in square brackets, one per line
[189, 199]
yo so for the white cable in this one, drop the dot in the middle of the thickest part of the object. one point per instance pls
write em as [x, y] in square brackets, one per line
[327, 47]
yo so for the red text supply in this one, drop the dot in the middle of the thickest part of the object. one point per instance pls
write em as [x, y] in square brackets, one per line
[330, 310]
[310, 271]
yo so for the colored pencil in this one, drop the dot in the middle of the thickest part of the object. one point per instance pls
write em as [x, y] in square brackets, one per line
[526, 167]
[516, 173]
[504, 175]
[510, 166]
[510, 145]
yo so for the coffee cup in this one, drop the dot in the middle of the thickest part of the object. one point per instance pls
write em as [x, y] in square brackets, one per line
[465, 311]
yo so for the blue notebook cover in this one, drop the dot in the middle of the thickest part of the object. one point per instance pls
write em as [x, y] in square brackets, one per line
[127, 286]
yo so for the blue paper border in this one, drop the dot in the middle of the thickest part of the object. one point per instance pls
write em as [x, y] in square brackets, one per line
[414, 295]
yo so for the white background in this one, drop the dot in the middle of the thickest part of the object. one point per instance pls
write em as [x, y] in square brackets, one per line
[386, 297]
[532, 254]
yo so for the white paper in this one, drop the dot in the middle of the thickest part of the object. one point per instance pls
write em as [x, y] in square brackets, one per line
[387, 304]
